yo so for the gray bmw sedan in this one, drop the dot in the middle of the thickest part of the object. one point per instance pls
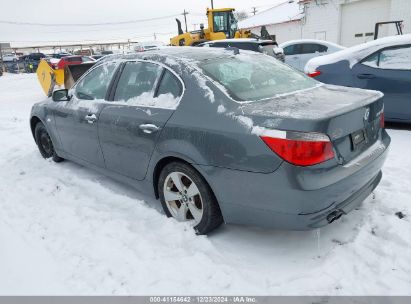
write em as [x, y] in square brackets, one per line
[221, 136]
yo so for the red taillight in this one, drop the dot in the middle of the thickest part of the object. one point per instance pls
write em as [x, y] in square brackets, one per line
[301, 149]
[382, 120]
[314, 74]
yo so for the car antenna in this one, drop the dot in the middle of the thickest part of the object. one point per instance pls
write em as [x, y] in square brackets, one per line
[235, 50]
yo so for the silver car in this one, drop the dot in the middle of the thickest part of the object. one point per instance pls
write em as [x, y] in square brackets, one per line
[299, 52]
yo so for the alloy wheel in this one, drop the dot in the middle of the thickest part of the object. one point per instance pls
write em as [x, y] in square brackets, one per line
[183, 198]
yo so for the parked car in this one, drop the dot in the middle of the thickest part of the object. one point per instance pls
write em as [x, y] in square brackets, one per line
[34, 57]
[32, 60]
[70, 60]
[220, 137]
[60, 55]
[267, 47]
[299, 52]
[383, 65]
[97, 57]
[10, 57]
[147, 46]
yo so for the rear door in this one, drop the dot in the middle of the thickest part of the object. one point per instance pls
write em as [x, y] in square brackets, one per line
[145, 97]
[388, 71]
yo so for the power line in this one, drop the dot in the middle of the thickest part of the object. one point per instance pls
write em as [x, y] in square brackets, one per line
[86, 24]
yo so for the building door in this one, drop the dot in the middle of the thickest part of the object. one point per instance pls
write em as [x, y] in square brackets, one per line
[358, 20]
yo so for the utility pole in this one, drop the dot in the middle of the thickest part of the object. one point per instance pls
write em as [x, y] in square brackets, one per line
[254, 10]
[212, 4]
[185, 19]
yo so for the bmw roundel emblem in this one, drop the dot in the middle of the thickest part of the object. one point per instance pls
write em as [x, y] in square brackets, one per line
[366, 114]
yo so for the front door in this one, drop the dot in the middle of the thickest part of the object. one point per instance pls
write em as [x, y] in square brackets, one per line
[389, 71]
[76, 120]
[145, 98]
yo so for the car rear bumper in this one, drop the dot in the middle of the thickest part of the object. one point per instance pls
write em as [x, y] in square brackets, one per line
[295, 198]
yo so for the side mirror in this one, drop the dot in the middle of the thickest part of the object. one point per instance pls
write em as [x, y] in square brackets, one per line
[60, 95]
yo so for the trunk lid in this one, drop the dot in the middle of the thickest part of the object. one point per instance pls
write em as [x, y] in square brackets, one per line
[349, 116]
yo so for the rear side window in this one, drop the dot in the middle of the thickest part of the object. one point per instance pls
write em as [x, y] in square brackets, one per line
[255, 77]
[247, 46]
[170, 85]
[138, 79]
[310, 48]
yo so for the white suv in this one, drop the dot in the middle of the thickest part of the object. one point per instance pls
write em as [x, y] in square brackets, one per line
[10, 57]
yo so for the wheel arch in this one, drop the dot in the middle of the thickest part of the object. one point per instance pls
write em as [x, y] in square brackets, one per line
[165, 161]
[33, 122]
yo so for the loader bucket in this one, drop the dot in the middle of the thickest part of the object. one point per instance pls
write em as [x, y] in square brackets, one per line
[73, 72]
[46, 76]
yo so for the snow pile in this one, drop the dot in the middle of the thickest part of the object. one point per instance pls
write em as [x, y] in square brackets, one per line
[163, 101]
[356, 53]
[65, 229]
[283, 12]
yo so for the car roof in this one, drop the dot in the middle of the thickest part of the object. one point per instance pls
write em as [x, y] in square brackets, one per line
[323, 42]
[237, 40]
[184, 53]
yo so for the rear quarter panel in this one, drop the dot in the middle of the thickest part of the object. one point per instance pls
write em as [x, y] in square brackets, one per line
[338, 73]
[204, 131]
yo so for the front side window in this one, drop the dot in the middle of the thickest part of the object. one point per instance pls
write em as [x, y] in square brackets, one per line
[292, 49]
[95, 84]
[137, 81]
[255, 77]
[396, 58]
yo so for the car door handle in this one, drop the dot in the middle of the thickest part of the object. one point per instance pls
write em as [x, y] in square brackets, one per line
[366, 76]
[149, 128]
[91, 118]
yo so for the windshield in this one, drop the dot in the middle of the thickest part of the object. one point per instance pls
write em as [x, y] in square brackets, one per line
[249, 77]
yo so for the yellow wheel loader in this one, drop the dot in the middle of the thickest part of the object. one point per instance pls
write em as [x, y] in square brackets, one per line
[222, 24]
[49, 78]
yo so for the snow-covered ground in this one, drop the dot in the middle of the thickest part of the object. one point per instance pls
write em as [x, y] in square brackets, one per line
[65, 229]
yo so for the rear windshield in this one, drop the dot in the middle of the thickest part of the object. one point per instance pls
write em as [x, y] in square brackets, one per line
[249, 77]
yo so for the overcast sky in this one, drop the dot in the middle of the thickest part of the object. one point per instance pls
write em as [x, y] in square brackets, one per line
[93, 11]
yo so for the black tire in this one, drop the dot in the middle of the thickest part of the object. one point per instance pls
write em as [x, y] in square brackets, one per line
[212, 217]
[44, 143]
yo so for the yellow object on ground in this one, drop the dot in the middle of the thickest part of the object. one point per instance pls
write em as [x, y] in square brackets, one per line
[48, 77]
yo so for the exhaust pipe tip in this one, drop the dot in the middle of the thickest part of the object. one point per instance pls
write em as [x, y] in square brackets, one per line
[335, 215]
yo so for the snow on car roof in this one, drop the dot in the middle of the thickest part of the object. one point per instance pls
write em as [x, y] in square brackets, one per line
[356, 53]
[284, 44]
[283, 12]
[185, 53]
[236, 40]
